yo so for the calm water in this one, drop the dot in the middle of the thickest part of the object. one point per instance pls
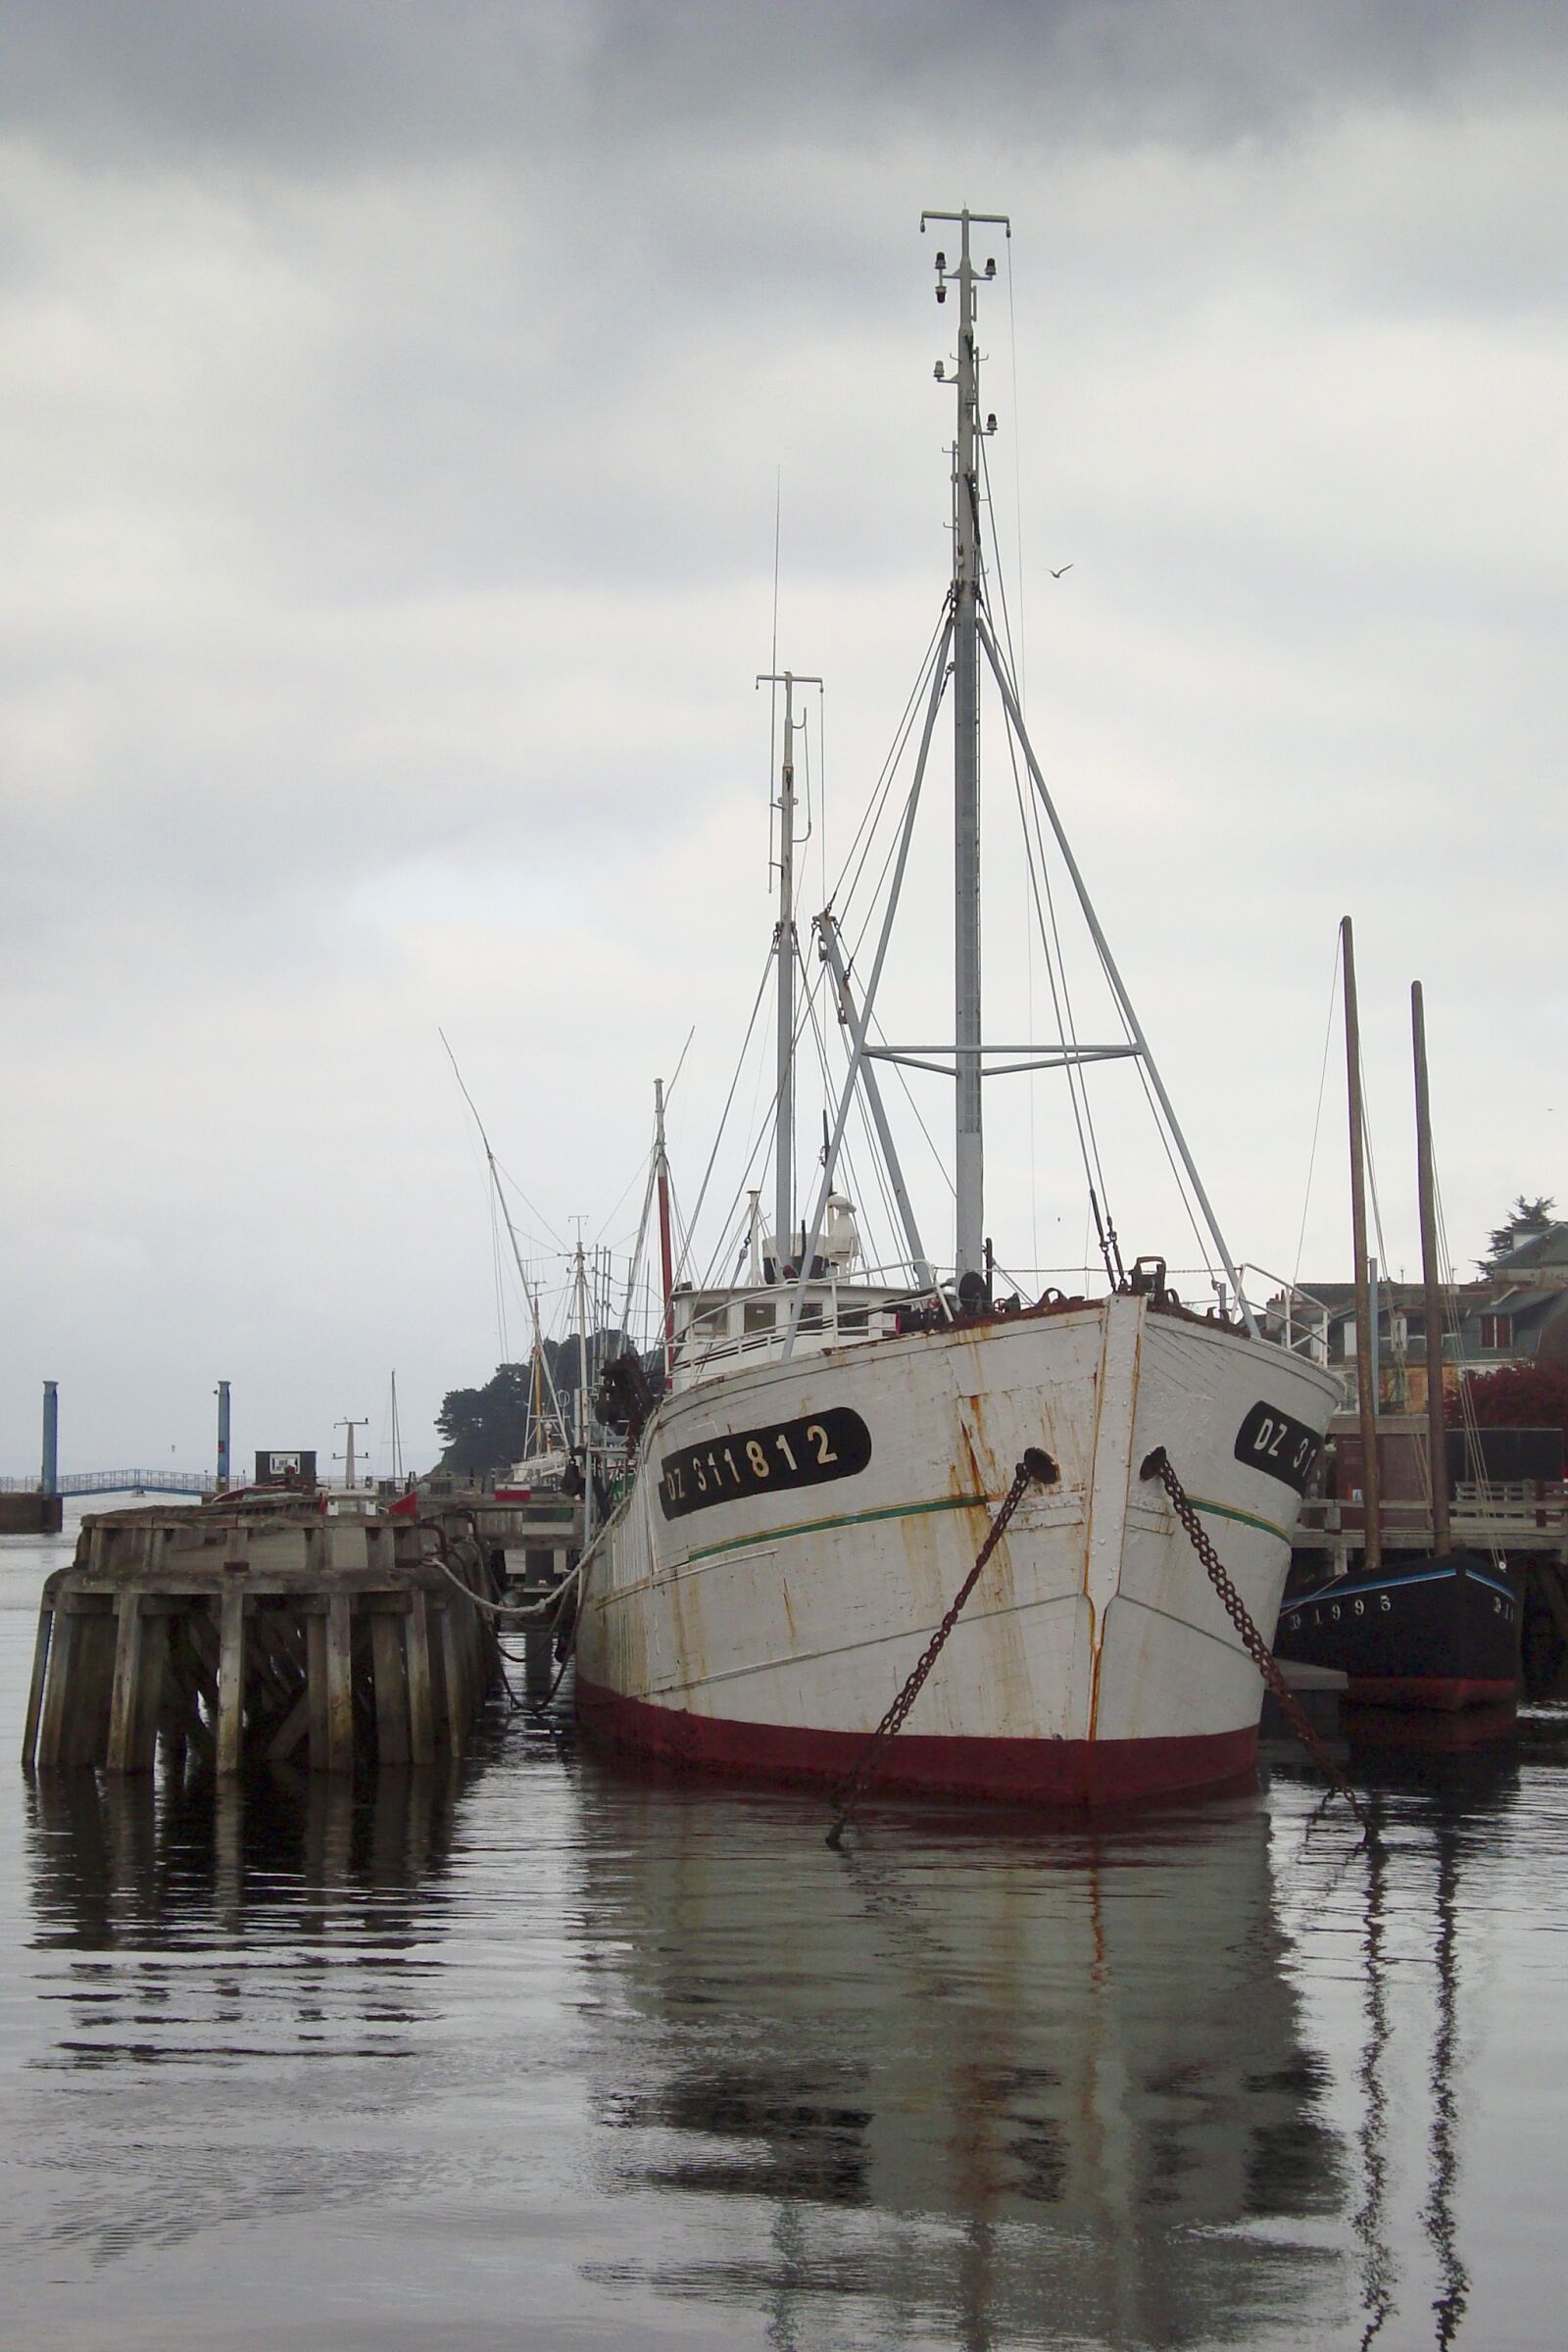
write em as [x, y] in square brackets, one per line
[541, 2055]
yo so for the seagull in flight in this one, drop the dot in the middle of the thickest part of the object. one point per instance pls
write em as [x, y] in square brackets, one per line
[1056, 576]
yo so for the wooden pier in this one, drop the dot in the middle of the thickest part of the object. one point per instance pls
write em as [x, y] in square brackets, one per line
[268, 1630]
[29, 1512]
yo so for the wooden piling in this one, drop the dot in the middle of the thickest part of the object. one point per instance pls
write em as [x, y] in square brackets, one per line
[260, 1634]
[133, 1708]
[391, 1687]
[455, 1674]
[316, 1683]
[231, 1679]
[416, 1638]
[35, 1688]
[86, 1738]
[56, 1690]
[339, 1684]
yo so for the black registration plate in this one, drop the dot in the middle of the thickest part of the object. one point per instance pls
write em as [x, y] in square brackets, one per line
[756, 1462]
[1271, 1442]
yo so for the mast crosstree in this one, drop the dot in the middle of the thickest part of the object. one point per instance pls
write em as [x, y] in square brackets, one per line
[966, 640]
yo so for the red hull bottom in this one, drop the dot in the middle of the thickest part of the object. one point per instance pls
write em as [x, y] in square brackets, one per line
[1028, 1772]
[1438, 1693]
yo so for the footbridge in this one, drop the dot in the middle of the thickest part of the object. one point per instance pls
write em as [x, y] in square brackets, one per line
[120, 1481]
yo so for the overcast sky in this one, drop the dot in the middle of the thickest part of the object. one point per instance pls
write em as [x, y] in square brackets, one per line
[394, 400]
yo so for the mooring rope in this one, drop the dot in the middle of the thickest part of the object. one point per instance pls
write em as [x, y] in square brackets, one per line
[1036, 1469]
[1158, 1465]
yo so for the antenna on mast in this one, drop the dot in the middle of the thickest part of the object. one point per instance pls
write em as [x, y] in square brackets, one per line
[784, 954]
[346, 1457]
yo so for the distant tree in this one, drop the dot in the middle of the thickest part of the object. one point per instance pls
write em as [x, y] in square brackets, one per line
[1519, 1396]
[1527, 1219]
[489, 1428]
[485, 1429]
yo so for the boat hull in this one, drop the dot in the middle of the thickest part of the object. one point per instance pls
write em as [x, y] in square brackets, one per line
[995, 1769]
[762, 1625]
[1426, 1634]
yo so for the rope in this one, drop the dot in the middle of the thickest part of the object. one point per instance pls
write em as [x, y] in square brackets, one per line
[1036, 1468]
[494, 1608]
[1158, 1465]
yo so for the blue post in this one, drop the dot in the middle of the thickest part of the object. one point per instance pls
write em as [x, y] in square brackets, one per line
[222, 1437]
[49, 1483]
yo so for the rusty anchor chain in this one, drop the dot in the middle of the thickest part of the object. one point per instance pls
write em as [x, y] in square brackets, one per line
[1158, 1465]
[1036, 1469]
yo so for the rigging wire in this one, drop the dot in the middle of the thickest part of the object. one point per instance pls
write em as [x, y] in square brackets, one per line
[1017, 475]
[556, 1239]
[1056, 963]
[866, 828]
[1317, 1118]
[702, 1194]
[1067, 1024]
[495, 1265]
[852, 1185]
[768, 1116]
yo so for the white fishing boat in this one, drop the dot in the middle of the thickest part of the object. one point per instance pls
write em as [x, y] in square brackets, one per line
[834, 1442]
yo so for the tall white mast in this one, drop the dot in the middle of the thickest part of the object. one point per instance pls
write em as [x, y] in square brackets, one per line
[970, 1152]
[584, 1410]
[784, 951]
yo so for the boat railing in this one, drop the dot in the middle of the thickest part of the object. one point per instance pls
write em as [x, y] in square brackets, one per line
[1532, 1511]
[827, 1320]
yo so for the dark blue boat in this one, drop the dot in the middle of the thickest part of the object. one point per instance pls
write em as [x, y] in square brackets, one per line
[1415, 1632]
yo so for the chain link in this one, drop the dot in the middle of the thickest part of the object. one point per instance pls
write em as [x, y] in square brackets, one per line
[1033, 1467]
[849, 1791]
[1158, 1465]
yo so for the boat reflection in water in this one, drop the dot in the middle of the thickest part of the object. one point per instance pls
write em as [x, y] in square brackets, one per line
[1001, 2085]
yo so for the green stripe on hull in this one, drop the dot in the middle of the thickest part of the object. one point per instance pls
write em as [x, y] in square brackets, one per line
[944, 1502]
[819, 1526]
[1223, 1511]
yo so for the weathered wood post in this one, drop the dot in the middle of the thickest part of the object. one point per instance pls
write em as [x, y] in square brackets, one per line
[134, 1707]
[454, 1672]
[391, 1686]
[231, 1677]
[316, 1681]
[339, 1684]
[52, 1724]
[422, 1714]
[35, 1688]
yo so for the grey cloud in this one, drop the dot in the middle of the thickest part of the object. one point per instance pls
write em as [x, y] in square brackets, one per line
[347, 85]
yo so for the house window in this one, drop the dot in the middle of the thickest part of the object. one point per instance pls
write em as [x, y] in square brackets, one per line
[759, 1314]
[811, 1319]
[1496, 1334]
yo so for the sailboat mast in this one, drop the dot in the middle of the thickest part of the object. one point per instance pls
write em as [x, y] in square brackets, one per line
[666, 1260]
[784, 951]
[584, 1424]
[970, 1144]
[969, 1159]
[1371, 1509]
[1436, 1435]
